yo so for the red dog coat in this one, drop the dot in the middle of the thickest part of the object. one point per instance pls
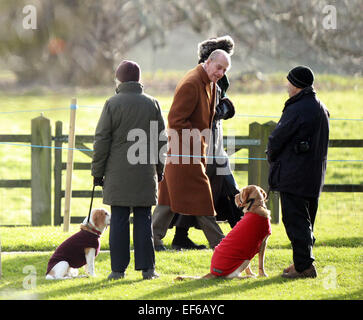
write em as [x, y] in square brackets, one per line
[72, 250]
[241, 243]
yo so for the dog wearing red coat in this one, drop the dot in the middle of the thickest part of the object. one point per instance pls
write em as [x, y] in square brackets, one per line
[248, 237]
[80, 249]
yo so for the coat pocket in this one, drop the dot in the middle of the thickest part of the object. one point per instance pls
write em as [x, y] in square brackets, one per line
[274, 174]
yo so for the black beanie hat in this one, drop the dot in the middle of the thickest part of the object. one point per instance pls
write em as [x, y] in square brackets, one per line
[128, 71]
[301, 77]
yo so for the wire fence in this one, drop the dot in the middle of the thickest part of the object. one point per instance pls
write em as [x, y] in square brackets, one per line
[164, 111]
[17, 210]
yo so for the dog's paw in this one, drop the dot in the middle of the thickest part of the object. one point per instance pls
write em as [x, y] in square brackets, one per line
[262, 274]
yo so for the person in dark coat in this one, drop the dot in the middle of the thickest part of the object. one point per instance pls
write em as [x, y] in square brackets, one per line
[297, 153]
[129, 138]
[223, 184]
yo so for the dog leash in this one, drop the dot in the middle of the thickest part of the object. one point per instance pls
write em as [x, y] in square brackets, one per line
[268, 194]
[90, 207]
[250, 202]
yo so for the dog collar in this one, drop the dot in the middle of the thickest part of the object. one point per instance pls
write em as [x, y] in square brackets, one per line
[92, 229]
[250, 201]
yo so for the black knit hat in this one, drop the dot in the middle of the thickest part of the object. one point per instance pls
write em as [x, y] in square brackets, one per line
[301, 77]
[128, 71]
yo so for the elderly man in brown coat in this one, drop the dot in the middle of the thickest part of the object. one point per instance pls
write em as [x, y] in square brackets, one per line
[186, 188]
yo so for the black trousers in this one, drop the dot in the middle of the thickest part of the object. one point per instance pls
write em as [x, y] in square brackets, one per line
[120, 238]
[298, 216]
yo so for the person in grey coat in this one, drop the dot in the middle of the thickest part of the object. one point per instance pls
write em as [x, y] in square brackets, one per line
[130, 136]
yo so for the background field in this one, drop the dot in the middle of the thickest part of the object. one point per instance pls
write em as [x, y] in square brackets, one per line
[339, 221]
[343, 99]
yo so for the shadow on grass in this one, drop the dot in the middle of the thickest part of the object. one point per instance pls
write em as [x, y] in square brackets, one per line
[352, 242]
[13, 278]
[87, 288]
[355, 295]
[215, 288]
[161, 289]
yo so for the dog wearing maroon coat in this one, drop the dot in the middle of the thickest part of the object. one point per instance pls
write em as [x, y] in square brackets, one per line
[80, 249]
[248, 237]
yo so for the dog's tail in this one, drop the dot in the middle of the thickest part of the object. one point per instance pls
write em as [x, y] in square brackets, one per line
[207, 276]
[181, 278]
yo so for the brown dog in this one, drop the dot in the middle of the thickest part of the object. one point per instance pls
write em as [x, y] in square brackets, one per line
[247, 238]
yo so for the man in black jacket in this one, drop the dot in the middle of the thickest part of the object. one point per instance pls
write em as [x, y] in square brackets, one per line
[297, 153]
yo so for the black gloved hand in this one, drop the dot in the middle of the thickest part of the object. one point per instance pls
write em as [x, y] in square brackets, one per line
[160, 177]
[224, 110]
[98, 181]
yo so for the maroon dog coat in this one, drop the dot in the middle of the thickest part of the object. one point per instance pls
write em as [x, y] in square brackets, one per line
[72, 250]
[241, 243]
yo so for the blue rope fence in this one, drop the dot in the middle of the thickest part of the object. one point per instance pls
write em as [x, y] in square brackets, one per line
[171, 155]
[191, 156]
[164, 111]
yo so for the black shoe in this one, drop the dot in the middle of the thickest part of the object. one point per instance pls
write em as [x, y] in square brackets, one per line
[308, 273]
[187, 244]
[160, 248]
[116, 275]
[149, 274]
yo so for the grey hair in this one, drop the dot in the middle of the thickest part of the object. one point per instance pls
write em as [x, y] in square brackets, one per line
[117, 82]
[220, 52]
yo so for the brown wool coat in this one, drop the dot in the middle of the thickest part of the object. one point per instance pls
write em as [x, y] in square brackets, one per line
[186, 188]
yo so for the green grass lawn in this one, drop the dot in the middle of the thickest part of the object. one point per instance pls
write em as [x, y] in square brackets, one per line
[338, 252]
[339, 225]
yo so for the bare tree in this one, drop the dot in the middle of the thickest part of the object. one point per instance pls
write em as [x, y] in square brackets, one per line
[329, 32]
[79, 42]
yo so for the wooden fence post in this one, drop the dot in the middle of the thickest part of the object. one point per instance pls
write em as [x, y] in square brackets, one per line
[71, 145]
[1, 269]
[58, 141]
[258, 169]
[41, 175]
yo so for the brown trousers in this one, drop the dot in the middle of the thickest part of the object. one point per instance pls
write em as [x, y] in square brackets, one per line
[163, 215]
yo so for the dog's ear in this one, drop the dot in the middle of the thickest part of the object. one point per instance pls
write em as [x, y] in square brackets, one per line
[98, 218]
[237, 200]
[245, 194]
[263, 193]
